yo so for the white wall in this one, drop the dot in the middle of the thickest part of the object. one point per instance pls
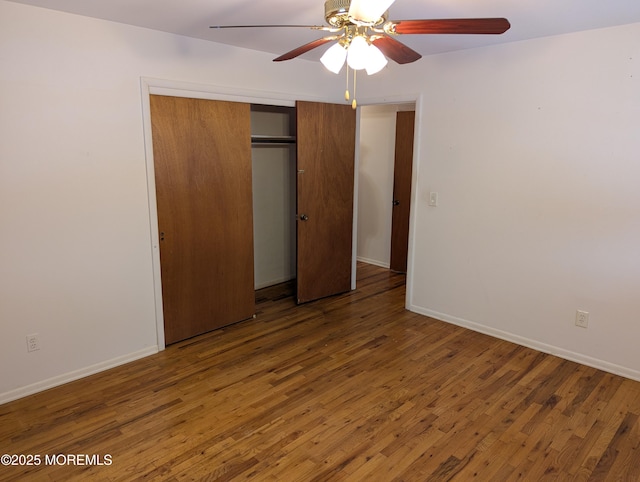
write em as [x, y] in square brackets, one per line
[375, 183]
[75, 249]
[534, 149]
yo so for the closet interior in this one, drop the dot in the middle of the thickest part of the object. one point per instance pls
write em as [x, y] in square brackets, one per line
[273, 156]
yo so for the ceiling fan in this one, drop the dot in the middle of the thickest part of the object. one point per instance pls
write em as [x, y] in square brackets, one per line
[365, 36]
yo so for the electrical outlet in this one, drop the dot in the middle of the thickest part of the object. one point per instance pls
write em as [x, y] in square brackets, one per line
[433, 199]
[582, 318]
[33, 342]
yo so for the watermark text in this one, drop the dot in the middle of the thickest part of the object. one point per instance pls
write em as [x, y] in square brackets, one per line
[56, 459]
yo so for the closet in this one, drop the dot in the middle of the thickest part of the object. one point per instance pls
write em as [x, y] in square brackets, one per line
[227, 175]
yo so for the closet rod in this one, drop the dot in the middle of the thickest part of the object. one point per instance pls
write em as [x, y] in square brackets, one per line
[272, 140]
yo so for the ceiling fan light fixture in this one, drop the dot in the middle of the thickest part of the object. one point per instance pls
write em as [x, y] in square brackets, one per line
[333, 59]
[376, 60]
[358, 53]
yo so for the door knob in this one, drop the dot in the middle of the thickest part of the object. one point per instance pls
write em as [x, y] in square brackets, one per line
[303, 217]
[396, 202]
[162, 236]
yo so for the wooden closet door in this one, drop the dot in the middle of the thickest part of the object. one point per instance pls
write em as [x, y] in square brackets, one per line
[202, 160]
[326, 136]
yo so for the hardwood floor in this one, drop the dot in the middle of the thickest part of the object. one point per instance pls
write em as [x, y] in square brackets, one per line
[348, 388]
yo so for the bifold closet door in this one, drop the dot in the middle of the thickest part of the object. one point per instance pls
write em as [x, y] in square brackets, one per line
[202, 162]
[326, 135]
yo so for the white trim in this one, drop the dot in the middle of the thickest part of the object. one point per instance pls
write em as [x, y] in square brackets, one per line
[413, 216]
[153, 211]
[75, 375]
[393, 99]
[193, 90]
[356, 185]
[374, 262]
[536, 345]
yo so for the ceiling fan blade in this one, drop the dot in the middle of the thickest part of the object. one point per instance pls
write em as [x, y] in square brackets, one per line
[316, 27]
[396, 51]
[451, 26]
[368, 10]
[304, 48]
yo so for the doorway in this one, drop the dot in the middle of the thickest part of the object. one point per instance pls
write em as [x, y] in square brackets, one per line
[324, 175]
[378, 132]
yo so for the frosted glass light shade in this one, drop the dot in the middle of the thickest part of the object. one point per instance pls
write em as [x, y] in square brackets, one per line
[358, 53]
[376, 60]
[368, 10]
[333, 59]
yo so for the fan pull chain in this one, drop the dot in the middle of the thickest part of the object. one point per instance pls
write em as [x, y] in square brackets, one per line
[354, 104]
[346, 92]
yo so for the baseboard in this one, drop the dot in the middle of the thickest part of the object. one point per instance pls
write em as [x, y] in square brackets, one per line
[74, 375]
[373, 262]
[536, 345]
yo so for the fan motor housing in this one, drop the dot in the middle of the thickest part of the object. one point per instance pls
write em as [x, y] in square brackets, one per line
[336, 13]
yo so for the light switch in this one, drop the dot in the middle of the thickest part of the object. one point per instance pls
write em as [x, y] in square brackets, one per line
[433, 199]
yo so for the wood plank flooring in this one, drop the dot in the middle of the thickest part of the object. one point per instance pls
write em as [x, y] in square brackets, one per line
[349, 388]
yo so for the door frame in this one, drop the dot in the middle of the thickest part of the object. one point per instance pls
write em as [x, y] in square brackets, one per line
[417, 99]
[174, 88]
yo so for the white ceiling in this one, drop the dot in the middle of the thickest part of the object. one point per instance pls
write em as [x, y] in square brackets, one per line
[192, 18]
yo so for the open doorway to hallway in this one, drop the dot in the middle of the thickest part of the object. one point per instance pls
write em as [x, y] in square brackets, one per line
[384, 184]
